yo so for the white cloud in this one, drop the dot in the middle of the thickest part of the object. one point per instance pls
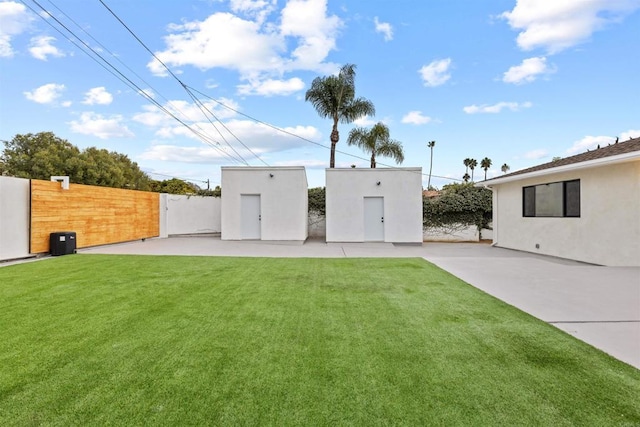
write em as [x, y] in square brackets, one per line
[591, 142]
[315, 31]
[633, 133]
[45, 94]
[365, 121]
[259, 137]
[42, 46]
[14, 19]
[154, 117]
[436, 73]
[98, 95]
[97, 125]
[384, 28]
[559, 24]
[416, 118]
[147, 93]
[175, 153]
[307, 163]
[536, 154]
[261, 51]
[271, 87]
[496, 108]
[528, 71]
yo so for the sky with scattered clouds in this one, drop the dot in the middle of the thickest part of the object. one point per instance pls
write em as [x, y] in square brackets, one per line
[184, 87]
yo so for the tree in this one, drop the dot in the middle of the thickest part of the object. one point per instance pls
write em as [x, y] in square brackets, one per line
[377, 142]
[485, 164]
[466, 177]
[505, 168]
[466, 163]
[333, 97]
[472, 165]
[430, 144]
[174, 186]
[43, 155]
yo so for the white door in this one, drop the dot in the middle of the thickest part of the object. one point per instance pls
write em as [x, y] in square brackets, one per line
[374, 219]
[250, 216]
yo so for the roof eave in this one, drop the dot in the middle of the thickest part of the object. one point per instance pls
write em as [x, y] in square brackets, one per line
[620, 158]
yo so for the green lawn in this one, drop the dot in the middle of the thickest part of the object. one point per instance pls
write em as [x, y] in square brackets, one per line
[144, 340]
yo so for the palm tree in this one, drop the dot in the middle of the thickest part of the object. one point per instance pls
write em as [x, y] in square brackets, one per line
[430, 144]
[377, 142]
[466, 177]
[505, 168]
[485, 164]
[466, 162]
[472, 165]
[334, 97]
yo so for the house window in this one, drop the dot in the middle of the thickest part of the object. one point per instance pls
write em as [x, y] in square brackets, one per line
[555, 199]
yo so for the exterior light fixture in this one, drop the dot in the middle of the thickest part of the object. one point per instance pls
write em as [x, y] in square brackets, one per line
[378, 183]
[270, 175]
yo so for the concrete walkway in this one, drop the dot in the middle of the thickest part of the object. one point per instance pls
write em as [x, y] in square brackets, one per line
[599, 305]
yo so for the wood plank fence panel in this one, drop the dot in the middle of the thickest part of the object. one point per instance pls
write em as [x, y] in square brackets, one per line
[98, 215]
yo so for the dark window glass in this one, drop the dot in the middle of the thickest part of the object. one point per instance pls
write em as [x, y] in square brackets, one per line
[572, 198]
[555, 199]
[529, 201]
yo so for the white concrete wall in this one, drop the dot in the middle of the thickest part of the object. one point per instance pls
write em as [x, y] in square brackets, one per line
[456, 233]
[164, 232]
[607, 232]
[283, 201]
[192, 214]
[14, 217]
[402, 192]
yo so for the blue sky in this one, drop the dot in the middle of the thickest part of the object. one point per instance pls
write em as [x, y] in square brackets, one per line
[519, 81]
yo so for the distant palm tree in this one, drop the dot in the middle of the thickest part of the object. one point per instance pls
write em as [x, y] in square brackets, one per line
[377, 142]
[485, 164]
[505, 168]
[466, 177]
[466, 162]
[334, 97]
[472, 165]
[430, 144]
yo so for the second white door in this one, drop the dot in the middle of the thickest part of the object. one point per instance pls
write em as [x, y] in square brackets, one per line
[374, 219]
[250, 216]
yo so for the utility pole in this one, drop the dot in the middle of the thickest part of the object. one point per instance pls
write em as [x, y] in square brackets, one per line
[207, 184]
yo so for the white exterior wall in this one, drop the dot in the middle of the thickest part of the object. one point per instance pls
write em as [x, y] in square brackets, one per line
[14, 217]
[607, 232]
[402, 192]
[192, 214]
[283, 201]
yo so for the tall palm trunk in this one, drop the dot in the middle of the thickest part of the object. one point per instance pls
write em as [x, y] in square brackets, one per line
[335, 137]
[430, 169]
[373, 160]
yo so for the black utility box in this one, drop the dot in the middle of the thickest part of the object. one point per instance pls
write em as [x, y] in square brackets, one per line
[62, 243]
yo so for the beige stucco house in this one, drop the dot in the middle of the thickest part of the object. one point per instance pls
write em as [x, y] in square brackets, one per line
[585, 207]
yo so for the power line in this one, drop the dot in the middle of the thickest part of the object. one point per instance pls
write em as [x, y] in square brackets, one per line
[86, 48]
[184, 86]
[306, 139]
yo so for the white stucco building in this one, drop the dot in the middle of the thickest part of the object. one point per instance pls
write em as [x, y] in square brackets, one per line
[264, 203]
[585, 207]
[377, 205]
[15, 196]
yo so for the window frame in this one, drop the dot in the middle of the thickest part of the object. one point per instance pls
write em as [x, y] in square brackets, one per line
[568, 206]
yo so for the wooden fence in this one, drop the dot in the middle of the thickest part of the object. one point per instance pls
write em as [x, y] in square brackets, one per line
[98, 215]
